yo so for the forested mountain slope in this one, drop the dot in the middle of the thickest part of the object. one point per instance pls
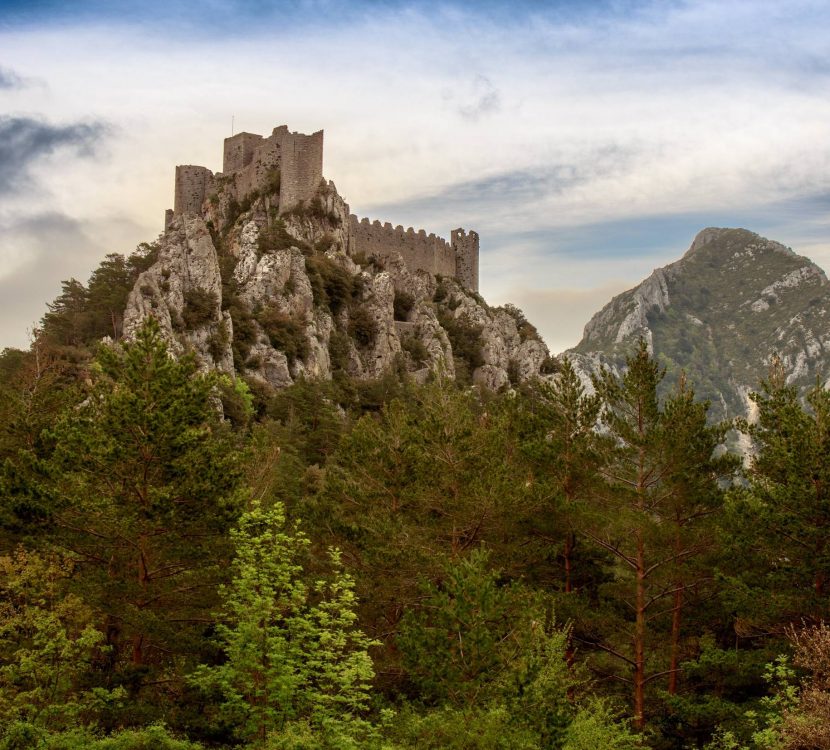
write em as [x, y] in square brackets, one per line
[720, 313]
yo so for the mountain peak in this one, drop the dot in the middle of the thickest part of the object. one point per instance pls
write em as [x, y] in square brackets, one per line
[719, 313]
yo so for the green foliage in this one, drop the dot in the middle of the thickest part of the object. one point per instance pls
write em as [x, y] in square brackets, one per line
[154, 737]
[286, 332]
[416, 349]
[47, 644]
[199, 307]
[402, 305]
[596, 725]
[275, 238]
[362, 326]
[465, 339]
[143, 486]
[331, 284]
[473, 728]
[463, 634]
[788, 500]
[292, 649]
[527, 331]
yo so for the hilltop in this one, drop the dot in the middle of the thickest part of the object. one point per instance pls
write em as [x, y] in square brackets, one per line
[262, 270]
[720, 313]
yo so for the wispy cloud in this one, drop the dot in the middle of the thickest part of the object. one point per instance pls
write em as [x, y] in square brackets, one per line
[25, 140]
[587, 142]
[482, 98]
[10, 80]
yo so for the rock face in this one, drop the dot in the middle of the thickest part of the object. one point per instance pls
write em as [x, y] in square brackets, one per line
[275, 296]
[720, 313]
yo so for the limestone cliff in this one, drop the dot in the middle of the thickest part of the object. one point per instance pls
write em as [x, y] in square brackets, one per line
[720, 313]
[277, 295]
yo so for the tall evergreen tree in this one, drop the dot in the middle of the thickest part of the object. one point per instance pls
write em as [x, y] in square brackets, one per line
[144, 488]
[661, 483]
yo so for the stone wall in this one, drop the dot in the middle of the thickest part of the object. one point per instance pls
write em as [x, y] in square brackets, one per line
[239, 151]
[301, 167]
[250, 161]
[465, 248]
[420, 251]
[193, 185]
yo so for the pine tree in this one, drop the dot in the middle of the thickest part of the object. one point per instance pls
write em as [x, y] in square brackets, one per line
[661, 483]
[143, 488]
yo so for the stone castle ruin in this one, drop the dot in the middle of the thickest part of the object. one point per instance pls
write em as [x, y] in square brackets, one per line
[291, 164]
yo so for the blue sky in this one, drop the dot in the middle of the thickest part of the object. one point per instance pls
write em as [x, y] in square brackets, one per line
[586, 142]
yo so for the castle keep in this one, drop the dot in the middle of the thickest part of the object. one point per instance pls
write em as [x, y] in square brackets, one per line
[294, 162]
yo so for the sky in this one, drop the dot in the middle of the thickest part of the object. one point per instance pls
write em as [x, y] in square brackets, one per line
[586, 142]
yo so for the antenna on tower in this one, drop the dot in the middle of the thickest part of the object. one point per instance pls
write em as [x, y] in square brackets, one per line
[232, 124]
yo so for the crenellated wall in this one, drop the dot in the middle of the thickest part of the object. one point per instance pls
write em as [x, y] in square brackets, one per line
[250, 162]
[420, 251]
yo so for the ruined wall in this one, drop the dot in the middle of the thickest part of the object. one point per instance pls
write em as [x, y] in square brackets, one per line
[465, 248]
[193, 185]
[420, 251]
[250, 161]
[239, 151]
[301, 167]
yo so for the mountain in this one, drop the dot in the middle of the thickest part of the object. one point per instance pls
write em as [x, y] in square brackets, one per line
[262, 270]
[720, 313]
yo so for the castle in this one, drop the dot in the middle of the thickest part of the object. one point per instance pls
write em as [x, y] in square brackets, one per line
[294, 162]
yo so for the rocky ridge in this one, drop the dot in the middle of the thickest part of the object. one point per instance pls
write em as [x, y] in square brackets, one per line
[720, 314]
[277, 297]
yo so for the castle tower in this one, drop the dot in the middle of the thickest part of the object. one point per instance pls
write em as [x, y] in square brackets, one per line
[465, 246]
[301, 166]
[239, 151]
[193, 185]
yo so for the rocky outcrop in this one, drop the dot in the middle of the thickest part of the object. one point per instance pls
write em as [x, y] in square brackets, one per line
[275, 297]
[720, 313]
[183, 291]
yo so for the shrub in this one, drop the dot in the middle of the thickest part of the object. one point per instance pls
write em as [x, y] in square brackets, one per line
[199, 306]
[339, 351]
[416, 349]
[362, 326]
[525, 328]
[218, 341]
[402, 305]
[465, 338]
[272, 183]
[274, 238]
[549, 365]
[285, 332]
[331, 285]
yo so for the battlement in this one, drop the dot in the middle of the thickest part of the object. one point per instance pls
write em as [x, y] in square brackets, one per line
[419, 250]
[251, 163]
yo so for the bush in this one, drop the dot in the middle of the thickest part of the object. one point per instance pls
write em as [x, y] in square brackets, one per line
[465, 338]
[218, 341]
[362, 326]
[416, 349]
[402, 305]
[339, 351]
[331, 285]
[285, 332]
[199, 307]
[275, 238]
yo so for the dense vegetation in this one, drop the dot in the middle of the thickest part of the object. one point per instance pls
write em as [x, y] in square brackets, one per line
[387, 565]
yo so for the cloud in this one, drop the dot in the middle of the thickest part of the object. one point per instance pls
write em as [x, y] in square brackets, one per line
[482, 99]
[25, 140]
[45, 249]
[10, 80]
